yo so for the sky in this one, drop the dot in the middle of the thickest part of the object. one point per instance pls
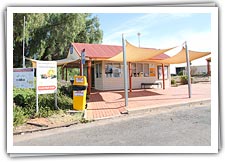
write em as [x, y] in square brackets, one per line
[159, 30]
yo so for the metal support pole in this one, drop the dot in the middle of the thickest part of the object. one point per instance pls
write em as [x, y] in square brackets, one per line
[188, 70]
[37, 109]
[82, 62]
[24, 66]
[56, 101]
[125, 71]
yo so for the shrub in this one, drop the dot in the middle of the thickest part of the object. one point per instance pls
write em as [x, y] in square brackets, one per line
[184, 79]
[25, 104]
[67, 90]
[173, 81]
[180, 73]
[18, 116]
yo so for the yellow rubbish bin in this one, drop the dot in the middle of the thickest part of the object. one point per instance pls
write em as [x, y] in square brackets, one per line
[79, 93]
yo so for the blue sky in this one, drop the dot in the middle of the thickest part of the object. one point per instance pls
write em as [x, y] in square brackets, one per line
[158, 30]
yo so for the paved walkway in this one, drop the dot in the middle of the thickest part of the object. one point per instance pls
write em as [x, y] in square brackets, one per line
[111, 103]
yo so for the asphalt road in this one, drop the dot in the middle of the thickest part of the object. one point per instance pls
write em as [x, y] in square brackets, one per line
[172, 127]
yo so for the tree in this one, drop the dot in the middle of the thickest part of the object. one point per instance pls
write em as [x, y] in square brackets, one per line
[48, 35]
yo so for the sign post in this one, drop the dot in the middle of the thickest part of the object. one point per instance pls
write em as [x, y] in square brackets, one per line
[24, 66]
[82, 61]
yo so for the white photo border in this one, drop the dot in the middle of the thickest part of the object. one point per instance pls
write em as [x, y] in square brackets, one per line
[114, 149]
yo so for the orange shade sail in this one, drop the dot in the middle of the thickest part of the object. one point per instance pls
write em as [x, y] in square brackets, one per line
[134, 54]
[180, 57]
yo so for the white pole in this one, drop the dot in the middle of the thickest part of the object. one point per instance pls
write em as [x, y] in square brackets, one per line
[23, 41]
[37, 86]
[37, 109]
[56, 102]
[82, 61]
[82, 71]
[125, 71]
[188, 70]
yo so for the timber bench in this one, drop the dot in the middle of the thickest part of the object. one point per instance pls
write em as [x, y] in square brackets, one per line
[150, 84]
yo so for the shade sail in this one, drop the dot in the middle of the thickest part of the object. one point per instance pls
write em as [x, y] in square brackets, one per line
[59, 62]
[134, 54]
[181, 57]
[65, 61]
[70, 58]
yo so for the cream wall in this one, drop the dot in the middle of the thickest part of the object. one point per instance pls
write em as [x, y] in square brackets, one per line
[105, 83]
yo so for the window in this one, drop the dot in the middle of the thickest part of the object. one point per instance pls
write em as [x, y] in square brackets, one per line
[98, 70]
[112, 70]
[139, 70]
[133, 68]
[116, 70]
[146, 70]
[160, 72]
[108, 70]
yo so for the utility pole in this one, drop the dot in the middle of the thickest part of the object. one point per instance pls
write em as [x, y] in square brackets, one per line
[24, 66]
[139, 34]
[125, 71]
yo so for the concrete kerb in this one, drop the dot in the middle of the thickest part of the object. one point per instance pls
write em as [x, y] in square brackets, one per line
[45, 128]
[146, 109]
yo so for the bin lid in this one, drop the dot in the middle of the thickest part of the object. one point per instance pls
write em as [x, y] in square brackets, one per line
[80, 81]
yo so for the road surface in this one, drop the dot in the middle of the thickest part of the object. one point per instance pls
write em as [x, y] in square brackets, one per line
[183, 126]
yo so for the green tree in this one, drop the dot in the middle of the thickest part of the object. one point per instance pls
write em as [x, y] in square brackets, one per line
[48, 35]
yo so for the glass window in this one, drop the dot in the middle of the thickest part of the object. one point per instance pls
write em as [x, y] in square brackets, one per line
[112, 70]
[146, 70]
[139, 70]
[116, 70]
[98, 70]
[108, 70]
[133, 68]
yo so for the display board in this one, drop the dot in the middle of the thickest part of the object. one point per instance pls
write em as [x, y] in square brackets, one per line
[46, 77]
[23, 77]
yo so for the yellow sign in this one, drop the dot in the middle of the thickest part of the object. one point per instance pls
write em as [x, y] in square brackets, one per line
[152, 72]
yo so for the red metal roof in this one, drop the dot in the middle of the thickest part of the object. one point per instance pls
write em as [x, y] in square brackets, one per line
[97, 50]
[105, 51]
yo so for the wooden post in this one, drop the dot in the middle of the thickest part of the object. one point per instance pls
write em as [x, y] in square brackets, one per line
[163, 76]
[62, 73]
[130, 76]
[89, 77]
[208, 68]
[66, 73]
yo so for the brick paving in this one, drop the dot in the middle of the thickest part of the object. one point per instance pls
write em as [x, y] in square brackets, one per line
[111, 103]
